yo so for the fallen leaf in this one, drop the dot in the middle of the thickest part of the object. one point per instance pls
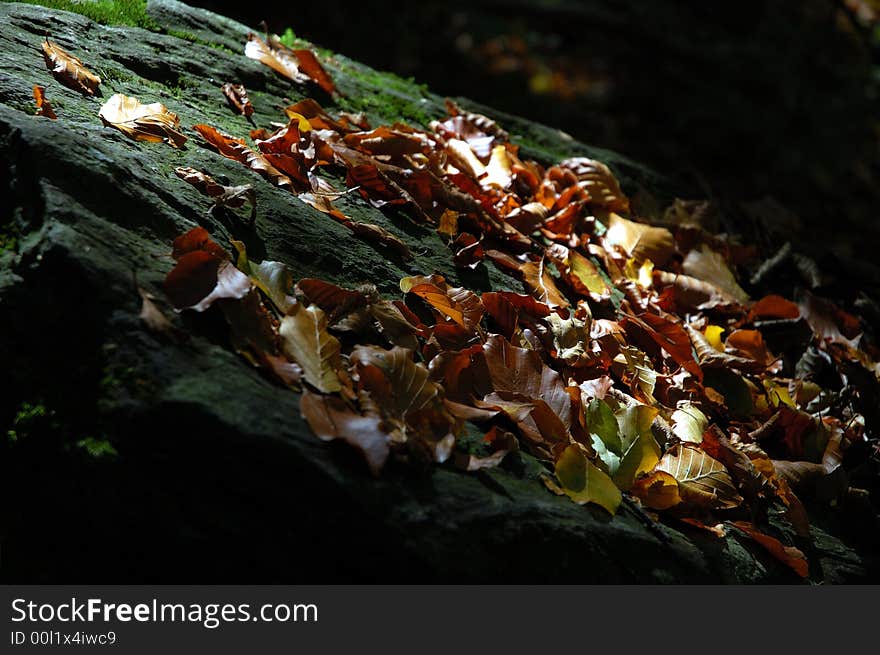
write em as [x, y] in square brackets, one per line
[459, 304]
[788, 555]
[153, 122]
[703, 481]
[599, 181]
[44, 107]
[689, 423]
[640, 241]
[707, 265]
[305, 339]
[69, 70]
[235, 149]
[223, 196]
[584, 483]
[538, 279]
[330, 418]
[237, 97]
[657, 490]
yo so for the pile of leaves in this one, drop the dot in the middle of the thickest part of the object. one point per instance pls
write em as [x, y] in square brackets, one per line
[632, 364]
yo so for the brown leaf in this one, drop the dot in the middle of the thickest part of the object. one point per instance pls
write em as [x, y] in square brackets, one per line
[237, 97]
[153, 122]
[223, 196]
[703, 481]
[330, 418]
[693, 294]
[711, 358]
[774, 307]
[640, 241]
[788, 555]
[599, 181]
[312, 68]
[151, 315]
[44, 107]
[398, 384]
[235, 149]
[521, 371]
[538, 279]
[305, 339]
[707, 265]
[203, 273]
[335, 301]
[69, 70]
[459, 304]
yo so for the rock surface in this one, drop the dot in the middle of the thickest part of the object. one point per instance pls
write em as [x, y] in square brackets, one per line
[132, 457]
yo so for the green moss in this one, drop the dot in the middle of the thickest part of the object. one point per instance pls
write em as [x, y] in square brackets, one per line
[106, 12]
[29, 418]
[97, 448]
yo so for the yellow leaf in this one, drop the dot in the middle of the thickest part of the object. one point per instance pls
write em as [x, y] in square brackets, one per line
[778, 394]
[583, 482]
[713, 336]
[657, 490]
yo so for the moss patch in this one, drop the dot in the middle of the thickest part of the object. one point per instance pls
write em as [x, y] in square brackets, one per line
[106, 12]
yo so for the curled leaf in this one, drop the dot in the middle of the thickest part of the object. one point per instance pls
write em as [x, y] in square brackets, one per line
[69, 70]
[153, 122]
[44, 107]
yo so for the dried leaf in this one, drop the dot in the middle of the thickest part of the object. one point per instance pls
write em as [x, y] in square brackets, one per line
[788, 555]
[400, 385]
[153, 122]
[707, 265]
[703, 481]
[539, 281]
[237, 97]
[235, 149]
[223, 196]
[599, 181]
[459, 304]
[69, 70]
[203, 273]
[330, 418]
[305, 339]
[640, 241]
[689, 423]
[44, 107]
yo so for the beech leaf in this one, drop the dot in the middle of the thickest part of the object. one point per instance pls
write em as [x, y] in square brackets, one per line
[304, 336]
[153, 122]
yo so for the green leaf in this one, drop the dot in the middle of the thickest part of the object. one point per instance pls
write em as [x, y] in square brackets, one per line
[602, 422]
[584, 482]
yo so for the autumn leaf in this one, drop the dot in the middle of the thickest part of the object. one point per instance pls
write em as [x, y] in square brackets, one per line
[305, 339]
[639, 240]
[153, 122]
[376, 234]
[400, 385]
[235, 149]
[707, 265]
[788, 555]
[599, 181]
[203, 273]
[689, 423]
[297, 65]
[223, 196]
[539, 281]
[44, 107]
[330, 418]
[703, 481]
[657, 490]
[460, 305]
[69, 70]
[274, 279]
[237, 97]
[584, 483]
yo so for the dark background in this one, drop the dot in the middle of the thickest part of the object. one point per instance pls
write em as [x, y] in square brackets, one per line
[740, 100]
